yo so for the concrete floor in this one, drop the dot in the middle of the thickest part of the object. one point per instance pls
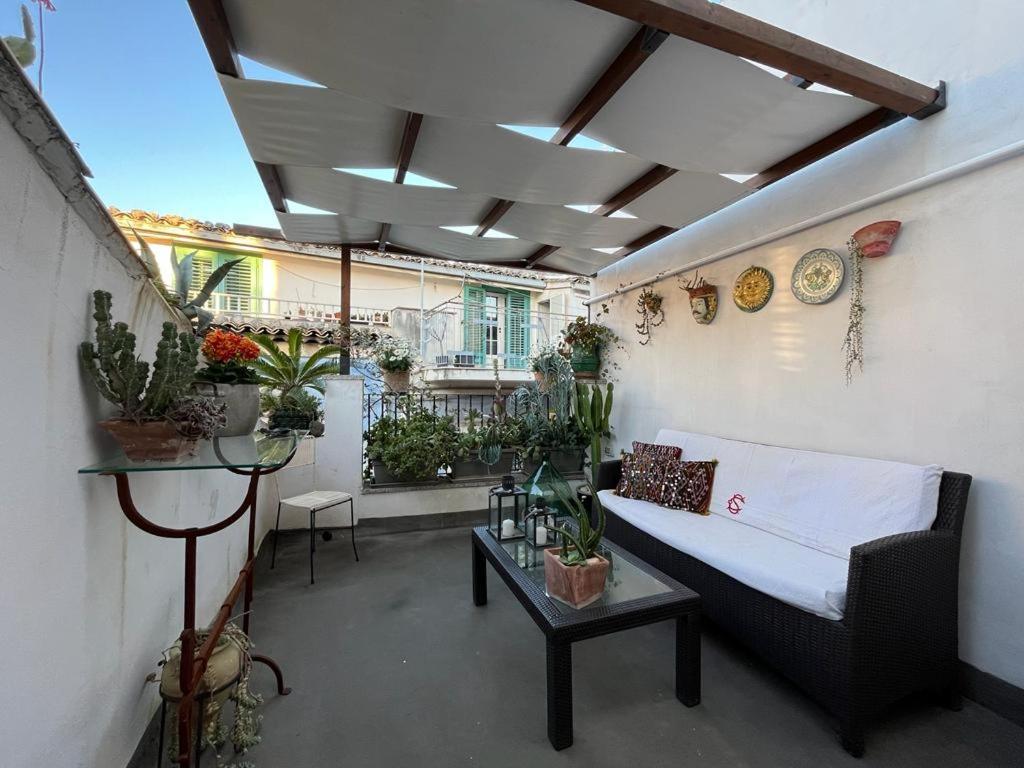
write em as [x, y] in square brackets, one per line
[392, 665]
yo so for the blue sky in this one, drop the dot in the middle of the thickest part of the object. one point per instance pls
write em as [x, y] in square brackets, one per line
[133, 86]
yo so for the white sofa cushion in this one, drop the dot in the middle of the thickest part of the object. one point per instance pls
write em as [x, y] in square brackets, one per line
[826, 501]
[807, 578]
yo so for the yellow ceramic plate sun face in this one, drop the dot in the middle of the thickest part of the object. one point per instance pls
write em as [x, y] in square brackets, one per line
[753, 288]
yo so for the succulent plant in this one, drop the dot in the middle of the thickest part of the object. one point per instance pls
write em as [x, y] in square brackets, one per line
[124, 379]
[197, 418]
[592, 415]
[587, 537]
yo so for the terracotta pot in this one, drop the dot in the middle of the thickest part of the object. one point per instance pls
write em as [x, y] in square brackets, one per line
[575, 585]
[876, 239]
[242, 405]
[149, 440]
[396, 381]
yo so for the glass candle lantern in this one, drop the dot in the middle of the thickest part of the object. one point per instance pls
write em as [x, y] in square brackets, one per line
[539, 525]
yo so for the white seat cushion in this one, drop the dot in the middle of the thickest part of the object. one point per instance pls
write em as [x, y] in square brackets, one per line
[801, 576]
[827, 501]
[317, 499]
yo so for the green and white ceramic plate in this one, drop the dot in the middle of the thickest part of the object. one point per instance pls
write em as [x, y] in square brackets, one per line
[817, 276]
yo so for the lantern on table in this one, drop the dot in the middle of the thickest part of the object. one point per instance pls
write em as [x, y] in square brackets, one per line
[539, 525]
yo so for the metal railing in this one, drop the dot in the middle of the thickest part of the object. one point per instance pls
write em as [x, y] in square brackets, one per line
[227, 306]
[472, 334]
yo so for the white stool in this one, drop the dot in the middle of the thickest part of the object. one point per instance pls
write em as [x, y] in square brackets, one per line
[316, 501]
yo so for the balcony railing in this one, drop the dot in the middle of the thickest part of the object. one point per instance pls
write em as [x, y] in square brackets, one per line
[472, 335]
[239, 309]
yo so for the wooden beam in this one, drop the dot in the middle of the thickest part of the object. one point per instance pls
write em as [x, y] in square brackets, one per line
[643, 44]
[634, 189]
[345, 321]
[272, 183]
[540, 253]
[845, 136]
[491, 217]
[741, 35]
[251, 230]
[213, 26]
[411, 132]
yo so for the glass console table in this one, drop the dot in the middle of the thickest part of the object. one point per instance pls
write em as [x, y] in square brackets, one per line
[252, 456]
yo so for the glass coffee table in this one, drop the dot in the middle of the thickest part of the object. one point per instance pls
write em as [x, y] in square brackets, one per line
[636, 594]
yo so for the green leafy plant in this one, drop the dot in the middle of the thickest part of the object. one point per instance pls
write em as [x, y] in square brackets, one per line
[24, 48]
[592, 414]
[648, 306]
[587, 337]
[285, 372]
[853, 344]
[544, 360]
[125, 380]
[298, 403]
[414, 444]
[586, 538]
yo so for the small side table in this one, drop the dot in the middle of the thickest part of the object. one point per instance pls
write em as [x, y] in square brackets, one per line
[496, 498]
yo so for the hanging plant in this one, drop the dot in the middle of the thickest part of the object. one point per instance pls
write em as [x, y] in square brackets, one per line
[648, 306]
[853, 345]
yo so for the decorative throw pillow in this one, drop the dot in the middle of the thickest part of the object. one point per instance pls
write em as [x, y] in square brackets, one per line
[688, 484]
[643, 476]
[664, 451]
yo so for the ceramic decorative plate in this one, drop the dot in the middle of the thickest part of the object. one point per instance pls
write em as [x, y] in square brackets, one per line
[753, 288]
[818, 276]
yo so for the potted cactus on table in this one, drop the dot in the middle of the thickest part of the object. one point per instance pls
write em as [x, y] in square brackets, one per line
[146, 427]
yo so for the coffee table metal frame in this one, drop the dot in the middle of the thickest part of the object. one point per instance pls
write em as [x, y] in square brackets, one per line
[562, 629]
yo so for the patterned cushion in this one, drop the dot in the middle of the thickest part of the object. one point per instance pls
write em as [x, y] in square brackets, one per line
[664, 451]
[688, 484]
[643, 476]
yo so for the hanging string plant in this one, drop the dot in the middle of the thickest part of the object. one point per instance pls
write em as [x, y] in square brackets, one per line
[870, 242]
[648, 306]
[853, 344]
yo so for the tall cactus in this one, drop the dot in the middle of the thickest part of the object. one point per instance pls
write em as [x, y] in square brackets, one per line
[593, 410]
[122, 378]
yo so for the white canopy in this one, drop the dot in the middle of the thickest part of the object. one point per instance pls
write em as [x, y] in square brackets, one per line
[686, 112]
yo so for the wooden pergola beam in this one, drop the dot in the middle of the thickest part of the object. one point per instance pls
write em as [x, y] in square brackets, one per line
[272, 183]
[216, 33]
[411, 132]
[634, 189]
[491, 217]
[643, 44]
[741, 35]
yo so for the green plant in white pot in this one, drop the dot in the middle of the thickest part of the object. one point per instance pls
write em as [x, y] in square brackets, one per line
[396, 359]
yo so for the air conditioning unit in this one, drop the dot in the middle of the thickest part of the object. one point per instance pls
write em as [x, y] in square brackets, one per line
[442, 360]
[464, 359]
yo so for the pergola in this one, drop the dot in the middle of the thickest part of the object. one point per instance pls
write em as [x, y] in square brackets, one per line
[701, 106]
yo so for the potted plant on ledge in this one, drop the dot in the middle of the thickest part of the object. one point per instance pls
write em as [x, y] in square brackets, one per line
[585, 340]
[410, 447]
[228, 377]
[576, 573]
[286, 379]
[156, 420]
[396, 359]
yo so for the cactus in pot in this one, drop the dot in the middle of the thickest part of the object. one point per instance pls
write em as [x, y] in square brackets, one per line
[593, 410]
[145, 399]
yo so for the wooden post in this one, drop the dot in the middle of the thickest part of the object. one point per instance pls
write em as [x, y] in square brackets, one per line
[346, 307]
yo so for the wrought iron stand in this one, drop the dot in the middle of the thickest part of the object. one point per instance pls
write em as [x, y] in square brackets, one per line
[193, 663]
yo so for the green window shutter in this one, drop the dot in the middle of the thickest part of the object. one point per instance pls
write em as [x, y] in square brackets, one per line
[473, 321]
[241, 285]
[517, 329]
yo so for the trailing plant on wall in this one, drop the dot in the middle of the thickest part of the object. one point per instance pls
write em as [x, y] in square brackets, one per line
[853, 344]
[648, 306]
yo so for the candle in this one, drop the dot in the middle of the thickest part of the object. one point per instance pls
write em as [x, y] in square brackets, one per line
[508, 529]
[541, 535]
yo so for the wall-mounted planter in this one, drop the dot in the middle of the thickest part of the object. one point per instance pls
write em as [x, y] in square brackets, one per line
[876, 239]
[585, 363]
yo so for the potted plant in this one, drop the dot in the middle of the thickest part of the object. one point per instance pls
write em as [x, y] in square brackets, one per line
[286, 377]
[475, 454]
[228, 377]
[395, 358]
[410, 447]
[299, 409]
[144, 426]
[576, 573]
[544, 364]
[585, 340]
[592, 412]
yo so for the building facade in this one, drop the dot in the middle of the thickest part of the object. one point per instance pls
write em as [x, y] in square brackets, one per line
[462, 318]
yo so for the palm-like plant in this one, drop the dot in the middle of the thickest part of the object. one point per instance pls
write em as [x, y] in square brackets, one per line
[286, 372]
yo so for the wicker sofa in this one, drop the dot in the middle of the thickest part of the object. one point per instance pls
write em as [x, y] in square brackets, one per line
[897, 631]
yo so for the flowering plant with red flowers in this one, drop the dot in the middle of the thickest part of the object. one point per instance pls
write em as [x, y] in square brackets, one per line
[227, 357]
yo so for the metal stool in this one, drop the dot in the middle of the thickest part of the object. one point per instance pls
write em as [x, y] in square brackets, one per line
[316, 501]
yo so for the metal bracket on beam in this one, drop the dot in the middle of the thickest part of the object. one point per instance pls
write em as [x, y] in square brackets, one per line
[652, 39]
[936, 106]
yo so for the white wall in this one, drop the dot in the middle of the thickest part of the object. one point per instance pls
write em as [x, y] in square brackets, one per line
[89, 601]
[942, 381]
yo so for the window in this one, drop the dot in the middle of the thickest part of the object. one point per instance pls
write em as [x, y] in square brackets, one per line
[236, 291]
[496, 325]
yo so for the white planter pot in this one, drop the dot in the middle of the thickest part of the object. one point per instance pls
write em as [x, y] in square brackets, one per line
[242, 403]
